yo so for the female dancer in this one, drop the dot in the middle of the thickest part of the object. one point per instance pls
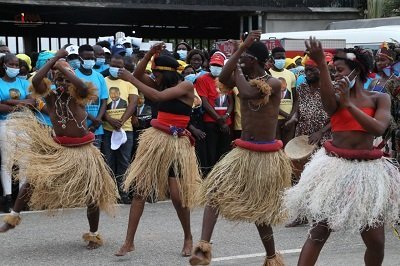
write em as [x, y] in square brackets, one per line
[348, 185]
[165, 158]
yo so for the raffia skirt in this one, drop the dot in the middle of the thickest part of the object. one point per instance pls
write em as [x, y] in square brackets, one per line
[247, 185]
[61, 177]
[347, 194]
[158, 155]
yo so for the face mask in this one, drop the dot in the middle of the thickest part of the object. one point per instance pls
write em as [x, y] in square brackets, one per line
[129, 51]
[75, 64]
[199, 69]
[2, 54]
[182, 54]
[352, 82]
[11, 72]
[215, 70]
[88, 64]
[279, 63]
[114, 71]
[23, 77]
[100, 61]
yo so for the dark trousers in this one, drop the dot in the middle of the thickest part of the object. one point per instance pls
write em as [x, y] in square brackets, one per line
[217, 144]
[119, 159]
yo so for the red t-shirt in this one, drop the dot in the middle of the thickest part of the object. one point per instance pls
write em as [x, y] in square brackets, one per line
[206, 86]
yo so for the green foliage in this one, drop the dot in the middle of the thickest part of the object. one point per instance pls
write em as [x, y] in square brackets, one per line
[391, 8]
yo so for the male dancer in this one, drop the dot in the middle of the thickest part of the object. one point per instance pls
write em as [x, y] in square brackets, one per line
[65, 170]
[247, 183]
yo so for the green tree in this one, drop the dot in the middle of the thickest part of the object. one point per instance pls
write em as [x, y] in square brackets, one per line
[391, 8]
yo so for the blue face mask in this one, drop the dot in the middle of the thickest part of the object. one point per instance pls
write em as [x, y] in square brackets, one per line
[75, 64]
[215, 70]
[23, 77]
[114, 71]
[88, 64]
[100, 61]
[11, 72]
[129, 51]
[279, 63]
[182, 54]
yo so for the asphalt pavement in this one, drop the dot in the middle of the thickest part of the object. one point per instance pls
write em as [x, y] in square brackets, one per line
[56, 240]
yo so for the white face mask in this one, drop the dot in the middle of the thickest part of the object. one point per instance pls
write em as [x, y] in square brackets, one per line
[182, 54]
[353, 81]
[279, 63]
[215, 71]
[88, 64]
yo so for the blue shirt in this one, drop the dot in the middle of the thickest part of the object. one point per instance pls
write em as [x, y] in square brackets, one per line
[93, 108]
[16, 90]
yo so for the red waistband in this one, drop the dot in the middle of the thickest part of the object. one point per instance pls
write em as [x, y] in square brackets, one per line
[74, 142]
[261, 147]
[168, 119]
[173, 130]
[352, 154]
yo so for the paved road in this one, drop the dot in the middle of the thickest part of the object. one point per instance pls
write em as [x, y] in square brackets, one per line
[45, 240]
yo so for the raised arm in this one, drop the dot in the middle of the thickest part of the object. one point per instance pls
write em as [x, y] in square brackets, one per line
[39, 84]
[81, 88]
[154, 95]
[328, 96]
[140, 71]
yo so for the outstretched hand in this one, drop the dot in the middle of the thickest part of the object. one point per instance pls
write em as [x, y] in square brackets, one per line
[315, 51]
[251, 38]
[124, 74]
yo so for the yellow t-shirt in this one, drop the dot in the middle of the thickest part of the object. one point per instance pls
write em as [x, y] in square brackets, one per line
[237, 123]
[118, 100]
[287, 103]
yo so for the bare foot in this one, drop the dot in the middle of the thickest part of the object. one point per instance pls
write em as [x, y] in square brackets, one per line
[92, 245]
[187, 247]
[125, 249]
[5, 227]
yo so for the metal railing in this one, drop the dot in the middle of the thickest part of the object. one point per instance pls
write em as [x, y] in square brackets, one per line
[253, 3]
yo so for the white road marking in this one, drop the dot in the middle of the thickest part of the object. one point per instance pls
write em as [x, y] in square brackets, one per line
[246, 256]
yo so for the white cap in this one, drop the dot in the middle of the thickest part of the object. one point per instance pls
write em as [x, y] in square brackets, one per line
[72, 49]
[124, 40]
[106, 50]
[118, 138]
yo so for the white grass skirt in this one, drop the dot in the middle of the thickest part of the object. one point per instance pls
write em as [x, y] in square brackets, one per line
[347, 194]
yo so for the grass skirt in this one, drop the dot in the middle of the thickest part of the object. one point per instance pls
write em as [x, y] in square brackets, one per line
[157, 154]
[347, 194]
[61, 177]
[247, 186]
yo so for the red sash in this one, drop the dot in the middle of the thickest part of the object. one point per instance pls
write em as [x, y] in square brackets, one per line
[74, 142]
[261, 147]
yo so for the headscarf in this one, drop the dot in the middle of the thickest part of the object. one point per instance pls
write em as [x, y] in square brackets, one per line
[27, 59]
[43, 58]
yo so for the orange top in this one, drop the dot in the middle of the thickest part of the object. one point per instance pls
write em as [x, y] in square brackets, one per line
[343, 120]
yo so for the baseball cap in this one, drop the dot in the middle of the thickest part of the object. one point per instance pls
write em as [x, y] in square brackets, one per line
[217, 59]
[72, 49]
[106, 50]
[118, 49]
[118, 137]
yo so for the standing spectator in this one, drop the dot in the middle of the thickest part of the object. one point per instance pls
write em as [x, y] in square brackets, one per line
[181, 51]
[97, 108]
[13, 92]
[4, 49]
[73, 56]
[218, 108]
[101, 64]
[121, 105]
[286, 119]
[140, 121]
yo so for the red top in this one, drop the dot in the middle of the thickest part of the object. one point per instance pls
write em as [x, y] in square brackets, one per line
[206, 86]
[343, 120]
